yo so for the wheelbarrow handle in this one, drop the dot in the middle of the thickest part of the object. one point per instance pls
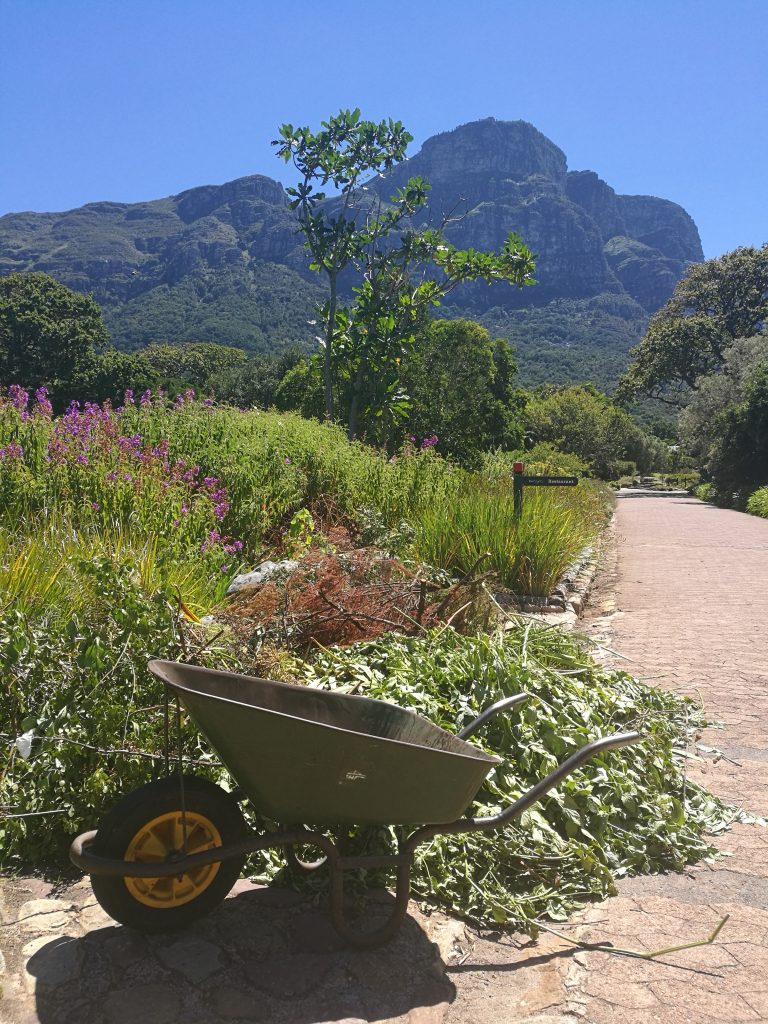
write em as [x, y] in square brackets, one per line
[494, 709]
[536, 792]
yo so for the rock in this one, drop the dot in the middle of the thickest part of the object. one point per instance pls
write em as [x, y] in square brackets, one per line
[196, 959]
[50, 960]
[261, 574]
[150, 1004]
[45, 915]
[234, 1003]
[93, 917]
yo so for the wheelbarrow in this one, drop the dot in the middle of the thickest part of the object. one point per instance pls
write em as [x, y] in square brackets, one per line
[170, 851]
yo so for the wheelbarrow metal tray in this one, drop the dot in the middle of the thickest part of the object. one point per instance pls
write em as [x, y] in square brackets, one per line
[310, 756]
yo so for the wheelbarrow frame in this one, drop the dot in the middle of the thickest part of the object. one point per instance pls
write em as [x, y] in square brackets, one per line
[401, 862]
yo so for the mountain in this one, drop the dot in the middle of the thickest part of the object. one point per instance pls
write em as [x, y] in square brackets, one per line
[224, 262]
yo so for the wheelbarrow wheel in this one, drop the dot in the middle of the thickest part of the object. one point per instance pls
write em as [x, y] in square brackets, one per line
[147, 826]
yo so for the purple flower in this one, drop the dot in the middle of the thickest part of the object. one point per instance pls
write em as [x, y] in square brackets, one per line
[95, 506]
[43, 407]
[287, 461]
[12, 452]
[19, 397]
[128, 396]
[146, 398]
[207, 402]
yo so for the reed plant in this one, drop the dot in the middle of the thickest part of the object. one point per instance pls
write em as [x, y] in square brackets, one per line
[529, 553]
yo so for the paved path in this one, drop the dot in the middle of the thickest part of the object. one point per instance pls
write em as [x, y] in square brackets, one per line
[685, 599]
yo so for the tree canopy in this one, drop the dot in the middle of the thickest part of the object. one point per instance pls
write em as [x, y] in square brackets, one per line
[582, 420]
[49, 334]
[715, 303]
[463, 390]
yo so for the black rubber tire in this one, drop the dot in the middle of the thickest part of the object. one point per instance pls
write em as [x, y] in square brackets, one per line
[120, 826]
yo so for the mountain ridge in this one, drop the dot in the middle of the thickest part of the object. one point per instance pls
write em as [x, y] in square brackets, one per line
[225, 262]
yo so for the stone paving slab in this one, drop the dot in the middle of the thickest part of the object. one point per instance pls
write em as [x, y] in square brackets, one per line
[266, 955]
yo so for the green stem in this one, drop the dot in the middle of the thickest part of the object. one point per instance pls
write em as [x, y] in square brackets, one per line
[606, 947]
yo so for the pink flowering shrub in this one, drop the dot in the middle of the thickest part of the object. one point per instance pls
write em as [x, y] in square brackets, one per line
[88, 467]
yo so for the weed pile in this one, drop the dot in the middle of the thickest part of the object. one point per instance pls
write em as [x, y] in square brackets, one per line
[626, 812]
[333, 598]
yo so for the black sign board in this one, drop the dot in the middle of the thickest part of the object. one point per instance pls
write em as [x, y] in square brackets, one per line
[550, 481]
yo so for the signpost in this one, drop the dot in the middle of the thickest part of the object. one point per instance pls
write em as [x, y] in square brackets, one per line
[519, 479]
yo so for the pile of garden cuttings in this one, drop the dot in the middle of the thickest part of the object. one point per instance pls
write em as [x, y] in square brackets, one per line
[628, 811]
[339, 594]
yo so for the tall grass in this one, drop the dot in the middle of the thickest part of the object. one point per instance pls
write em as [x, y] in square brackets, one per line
[41, 573]
[528, 553]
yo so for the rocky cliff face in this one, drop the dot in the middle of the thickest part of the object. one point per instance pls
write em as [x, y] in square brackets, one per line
[224, 262]
[502, 176]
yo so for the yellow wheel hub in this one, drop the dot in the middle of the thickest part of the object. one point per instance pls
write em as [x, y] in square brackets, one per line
[154, 843]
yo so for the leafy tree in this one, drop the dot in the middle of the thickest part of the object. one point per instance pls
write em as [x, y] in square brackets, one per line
[356, 229]
[48, 333]
[192, 363]
[254, 384]
[738, 462]
[715, 303]
[302, 389]
[462, 389]
[581, 420]
[699, 423]
[109, 375]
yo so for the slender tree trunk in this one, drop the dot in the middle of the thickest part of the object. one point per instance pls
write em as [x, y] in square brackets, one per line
[327, 363]
[354, 407]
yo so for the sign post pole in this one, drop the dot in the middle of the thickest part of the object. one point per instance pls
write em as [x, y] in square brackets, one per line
[517, 488]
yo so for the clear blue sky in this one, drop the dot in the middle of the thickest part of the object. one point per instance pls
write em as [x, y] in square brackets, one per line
[136, 99]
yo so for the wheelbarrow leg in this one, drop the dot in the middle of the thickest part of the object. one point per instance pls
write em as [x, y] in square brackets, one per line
[371, 939]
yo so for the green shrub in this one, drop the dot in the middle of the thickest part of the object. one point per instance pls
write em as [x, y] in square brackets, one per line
[75, 676]
[757, 503]
[541, 458]
[705, 492]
